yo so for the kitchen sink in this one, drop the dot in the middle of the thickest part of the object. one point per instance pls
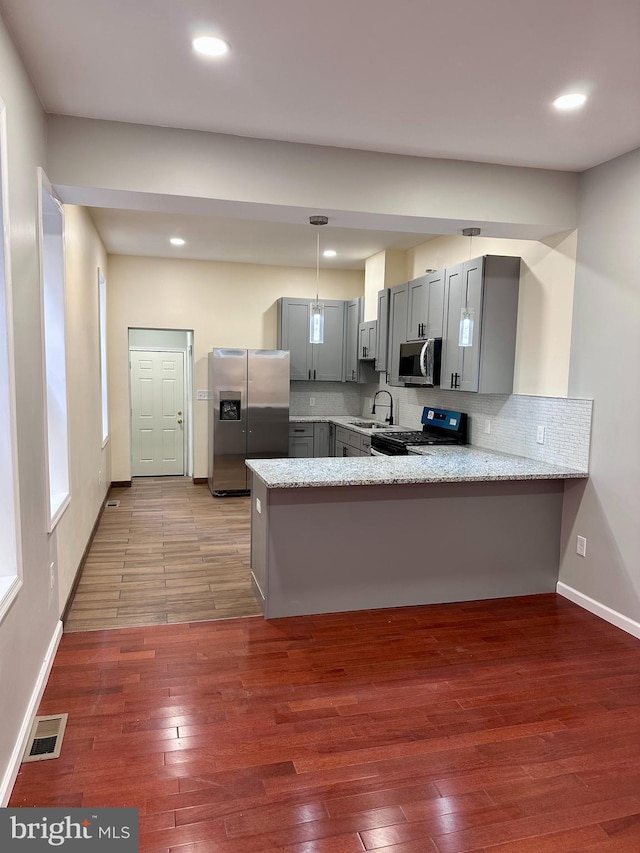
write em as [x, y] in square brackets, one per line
[368, 425]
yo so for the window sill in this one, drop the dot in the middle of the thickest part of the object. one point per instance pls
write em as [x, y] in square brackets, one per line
[58, 505]
[9, 588]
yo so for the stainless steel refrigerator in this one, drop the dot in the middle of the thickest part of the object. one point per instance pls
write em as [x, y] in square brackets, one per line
[248, 414]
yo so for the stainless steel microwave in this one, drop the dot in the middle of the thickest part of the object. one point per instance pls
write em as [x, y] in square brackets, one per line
[420, 362]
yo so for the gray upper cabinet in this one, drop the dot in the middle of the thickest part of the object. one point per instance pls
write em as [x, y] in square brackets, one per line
[435, 304]
[481, 313]
[417, 308]
[319, 362]
[367, 341]
[398, 305]
[382, 331]
[425, 306]
[353, 320]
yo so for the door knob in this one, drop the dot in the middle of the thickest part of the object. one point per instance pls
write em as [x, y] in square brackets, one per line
[179, 414]
[180, 420]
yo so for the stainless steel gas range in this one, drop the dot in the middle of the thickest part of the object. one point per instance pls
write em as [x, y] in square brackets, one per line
[439, 427]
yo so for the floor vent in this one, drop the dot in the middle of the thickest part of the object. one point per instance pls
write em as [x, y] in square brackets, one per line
[45, 738]
[112, 504]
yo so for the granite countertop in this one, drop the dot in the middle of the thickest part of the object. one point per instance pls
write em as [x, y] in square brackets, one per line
[431, 465]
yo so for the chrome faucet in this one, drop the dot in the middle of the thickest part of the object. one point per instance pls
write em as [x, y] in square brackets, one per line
[389, 418]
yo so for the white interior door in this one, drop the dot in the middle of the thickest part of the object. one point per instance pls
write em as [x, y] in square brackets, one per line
[157, 413]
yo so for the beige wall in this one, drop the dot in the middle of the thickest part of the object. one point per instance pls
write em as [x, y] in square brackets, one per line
[385, 269]
[84, 253]
[103, 162]
[29, 627]
[546, 298]
[605, 354]
[224, 304]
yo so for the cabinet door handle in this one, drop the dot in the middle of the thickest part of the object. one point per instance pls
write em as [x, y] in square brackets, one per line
[309, 373]
[314, 374]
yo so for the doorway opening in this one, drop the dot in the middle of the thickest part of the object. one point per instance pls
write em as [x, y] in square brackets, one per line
[160, 388]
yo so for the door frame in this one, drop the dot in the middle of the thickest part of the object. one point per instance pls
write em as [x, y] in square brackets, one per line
[187, 352]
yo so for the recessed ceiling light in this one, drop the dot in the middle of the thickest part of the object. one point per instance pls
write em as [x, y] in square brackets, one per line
[571, 101]
[177, 241]
[210, 46]
[329, 253]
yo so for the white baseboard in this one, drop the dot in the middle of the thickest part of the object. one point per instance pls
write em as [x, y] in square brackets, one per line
[6, 787]
[593, 606]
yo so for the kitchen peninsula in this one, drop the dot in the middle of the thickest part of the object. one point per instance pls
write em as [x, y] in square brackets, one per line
[455, 524]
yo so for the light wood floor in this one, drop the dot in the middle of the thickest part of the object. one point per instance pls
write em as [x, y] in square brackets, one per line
[169, 553]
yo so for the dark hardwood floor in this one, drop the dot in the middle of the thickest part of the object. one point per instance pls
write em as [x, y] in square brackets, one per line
[170, 552]
[506, 726]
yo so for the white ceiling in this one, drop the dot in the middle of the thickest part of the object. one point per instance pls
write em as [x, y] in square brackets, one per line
[464, 79]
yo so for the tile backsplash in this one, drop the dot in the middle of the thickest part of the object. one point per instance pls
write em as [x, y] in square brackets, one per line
[513, 420]
[331, 398]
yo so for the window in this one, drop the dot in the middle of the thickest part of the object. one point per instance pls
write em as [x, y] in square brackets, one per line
[102, 311]
[55, 367]
[10, 566]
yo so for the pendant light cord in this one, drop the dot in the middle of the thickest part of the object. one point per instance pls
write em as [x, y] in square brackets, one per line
[317, 265]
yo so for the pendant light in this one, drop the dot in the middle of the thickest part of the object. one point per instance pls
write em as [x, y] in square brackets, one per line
[465, 336]
[316, 314]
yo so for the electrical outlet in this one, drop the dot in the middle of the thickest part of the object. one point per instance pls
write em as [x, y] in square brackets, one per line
[52, 575]
[487, 426]
[581, 546]
[540, 434]
[312, 401]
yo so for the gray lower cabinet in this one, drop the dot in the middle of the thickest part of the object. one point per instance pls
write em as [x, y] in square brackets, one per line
[398, 303]
[312, 362]
[481, 313]
[307, 440]
[301, 440]
[322, 439]
[351, 443]
[382, 331]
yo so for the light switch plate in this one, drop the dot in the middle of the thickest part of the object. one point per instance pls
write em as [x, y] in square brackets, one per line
[540, 434]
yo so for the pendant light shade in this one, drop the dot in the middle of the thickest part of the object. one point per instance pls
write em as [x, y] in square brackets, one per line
[316, 323]
[467, 315]
[316, 313]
